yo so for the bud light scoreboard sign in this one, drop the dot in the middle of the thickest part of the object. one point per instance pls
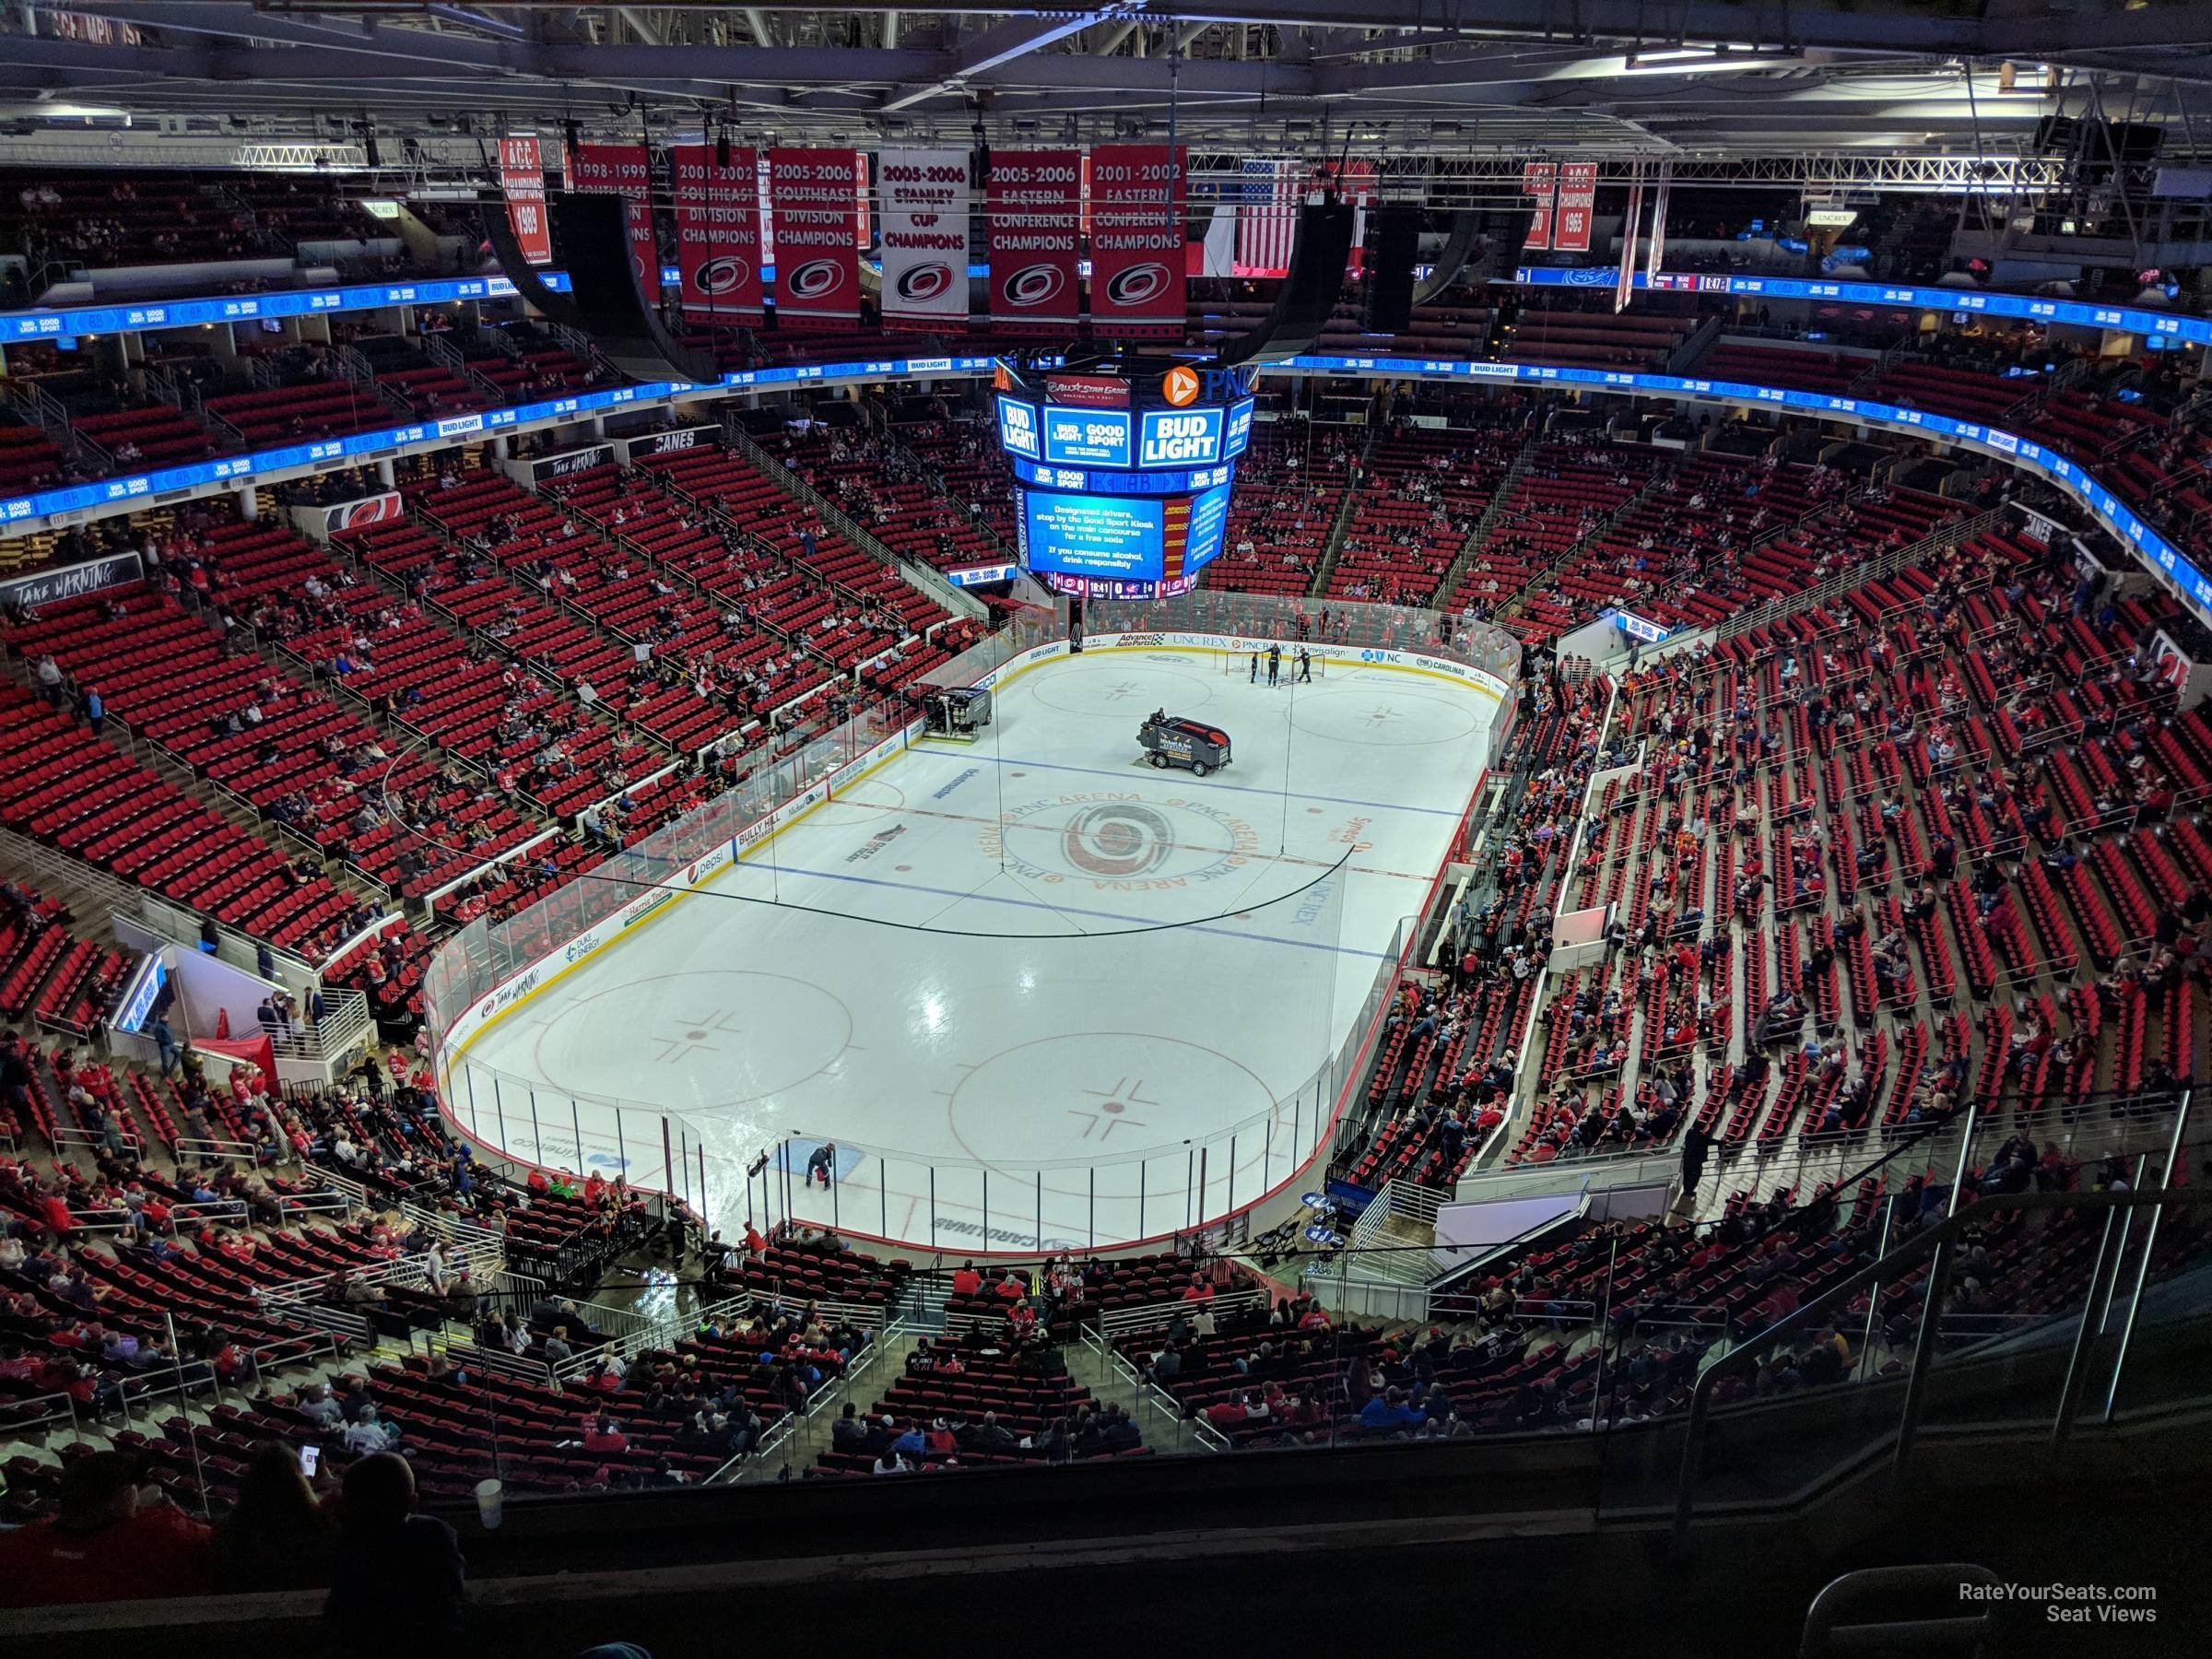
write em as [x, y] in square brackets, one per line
[1122, 471]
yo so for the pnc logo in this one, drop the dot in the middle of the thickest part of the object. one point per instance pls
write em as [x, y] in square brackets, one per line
[1178, 385]
[1139, 285]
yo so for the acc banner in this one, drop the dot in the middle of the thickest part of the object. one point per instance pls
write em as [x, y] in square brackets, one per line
[1033, 203]
[522, 180]
[924, 197]
[624, 170]
[1137, 263]
[1578, 202]
[718, 231]
[811, 195]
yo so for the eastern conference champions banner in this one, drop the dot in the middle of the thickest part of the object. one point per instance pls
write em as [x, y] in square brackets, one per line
[813, 196]
[522, 182]
[924, 207]
[622, 170]
[1034, 206]
[718, 231]
[1136, 259]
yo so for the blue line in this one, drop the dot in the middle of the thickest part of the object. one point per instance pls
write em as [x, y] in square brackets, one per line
[1094, 772]
[1150, 922]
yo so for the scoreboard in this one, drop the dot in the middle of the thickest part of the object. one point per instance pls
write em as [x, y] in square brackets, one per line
[1123, 470]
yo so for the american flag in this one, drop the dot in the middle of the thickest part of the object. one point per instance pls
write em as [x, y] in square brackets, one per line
[1274, 189]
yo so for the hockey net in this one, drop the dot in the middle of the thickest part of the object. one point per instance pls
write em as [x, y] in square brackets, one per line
[1237, 665]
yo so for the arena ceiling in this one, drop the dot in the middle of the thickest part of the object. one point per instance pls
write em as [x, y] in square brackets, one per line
[1475, 78]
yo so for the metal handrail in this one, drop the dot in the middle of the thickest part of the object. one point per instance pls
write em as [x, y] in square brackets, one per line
[1745, 1355]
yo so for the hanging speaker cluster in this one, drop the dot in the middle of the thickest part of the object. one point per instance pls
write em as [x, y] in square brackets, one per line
[604, 299]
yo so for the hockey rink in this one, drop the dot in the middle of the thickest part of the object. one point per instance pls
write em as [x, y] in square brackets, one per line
[1039, 992]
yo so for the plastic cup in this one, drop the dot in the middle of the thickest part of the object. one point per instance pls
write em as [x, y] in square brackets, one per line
[491, 1500]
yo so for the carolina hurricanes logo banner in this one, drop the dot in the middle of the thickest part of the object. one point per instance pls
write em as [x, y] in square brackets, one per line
[1136, 259]
[718, 231]
[812, 196]
[623, 170]
[1033, 203]
[924, 206]
[522, 182]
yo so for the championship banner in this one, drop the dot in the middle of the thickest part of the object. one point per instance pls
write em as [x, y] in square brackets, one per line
[1578, 206]
[624, 170]
[522, 182]
[1033, 203]
[924, 207]
[1539, 179]
[811, 199]
[1137, 261]
[718, 231]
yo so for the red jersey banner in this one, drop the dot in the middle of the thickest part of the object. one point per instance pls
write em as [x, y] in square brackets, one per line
[1137, 261]
[811, 196]
[718, 231]
[622, 170]
[1033, 203]
[1539, 179]
[1578, 204]
[522, 180]
[924, 238]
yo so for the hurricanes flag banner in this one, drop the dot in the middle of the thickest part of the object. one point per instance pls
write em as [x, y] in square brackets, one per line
[624, 170]
[718, 231]
[522, 182]
[813, 200]
[1137, 259]
[1033, 206]
[924, 206]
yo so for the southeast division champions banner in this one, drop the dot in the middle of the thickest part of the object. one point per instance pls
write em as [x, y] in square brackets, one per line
[811, 195]
[924, 207]
[522, 182]
[1033, 203]
[1137, 259]
[623, 170]
[718, 231]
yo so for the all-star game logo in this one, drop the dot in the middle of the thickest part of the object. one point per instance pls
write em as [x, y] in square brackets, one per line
[1118, 841]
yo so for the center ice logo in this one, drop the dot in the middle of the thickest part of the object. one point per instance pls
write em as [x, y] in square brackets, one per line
[1117, 841]
[1114, 841]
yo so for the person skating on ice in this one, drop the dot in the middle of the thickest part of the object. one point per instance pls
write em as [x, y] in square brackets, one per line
[1255, 667]
[1275, 665]
[822, 1161]
[1305, 667]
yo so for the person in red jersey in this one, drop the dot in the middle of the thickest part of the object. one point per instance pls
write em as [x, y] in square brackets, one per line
[109, 1541]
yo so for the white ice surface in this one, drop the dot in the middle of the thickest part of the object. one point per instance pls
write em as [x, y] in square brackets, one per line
[1105, 970]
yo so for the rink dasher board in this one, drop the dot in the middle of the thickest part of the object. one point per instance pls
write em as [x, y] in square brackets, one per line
[556, 964]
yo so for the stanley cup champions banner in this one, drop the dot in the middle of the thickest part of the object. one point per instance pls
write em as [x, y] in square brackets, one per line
[812, 196]
[924, 207]
[522, 182]
[718, 231]
[1137, 259]
[1033, 203]
[624, 170]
